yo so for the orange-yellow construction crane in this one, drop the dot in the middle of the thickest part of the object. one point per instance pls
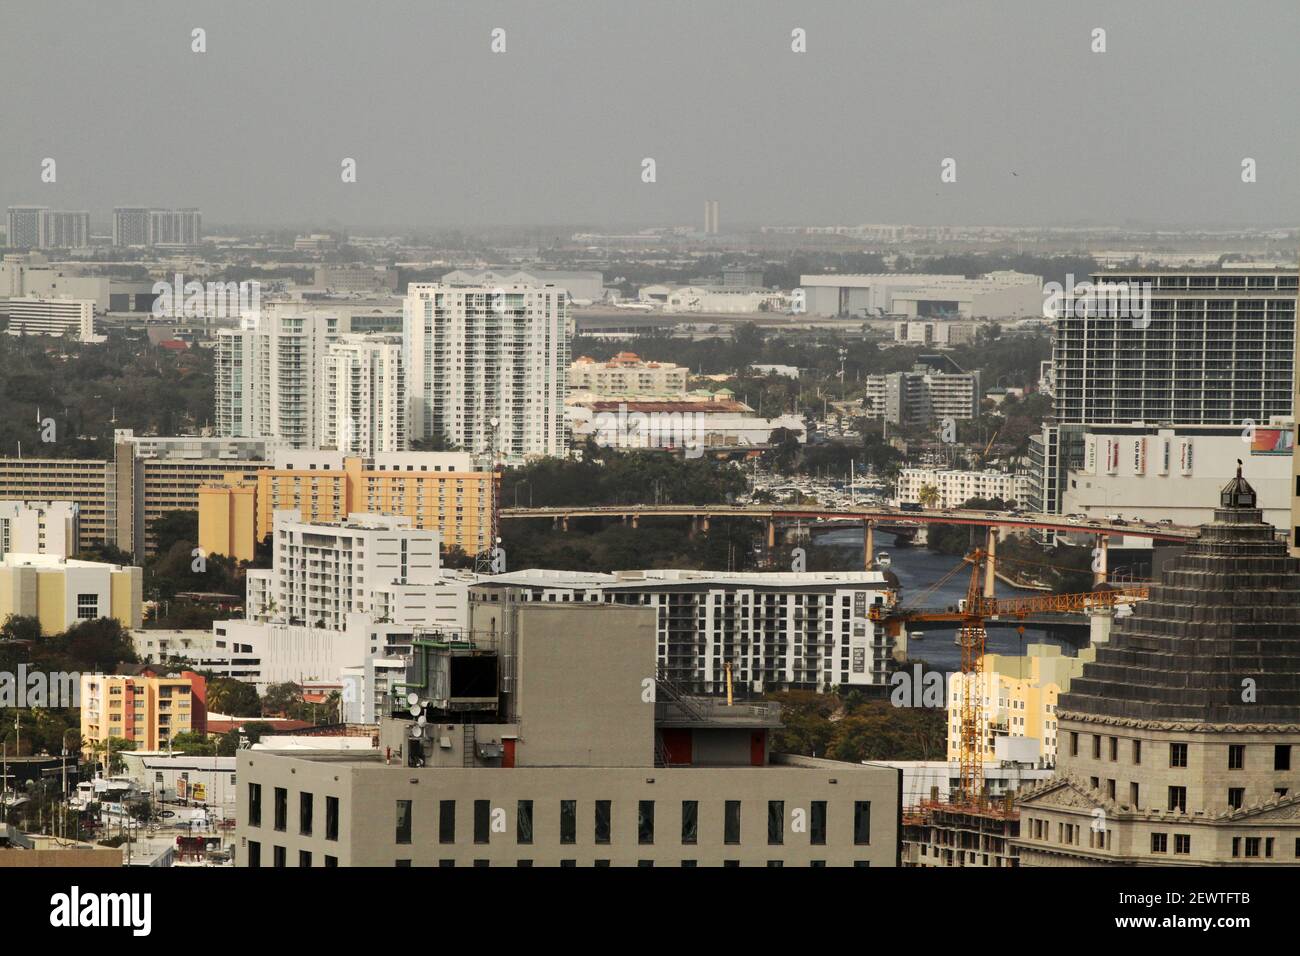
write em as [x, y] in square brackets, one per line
[971, 616]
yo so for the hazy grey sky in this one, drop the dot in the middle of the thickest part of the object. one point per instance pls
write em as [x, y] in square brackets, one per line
[446, 133]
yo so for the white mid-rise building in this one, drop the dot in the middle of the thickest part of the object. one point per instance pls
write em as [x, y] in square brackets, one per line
[774, 630]
[1174, 473]
[487, 368]
[40, 527]
[363, 395]
[323, 572]
[29, 315]
[955, 487]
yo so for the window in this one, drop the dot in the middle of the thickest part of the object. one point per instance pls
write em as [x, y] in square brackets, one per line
[304, 813]
[690, 821]
[403, 821]
[1074, 743]
[731, 822]
[279, 857]
[645, 822]
[1252, 846]
[304, 859]
[1236, 796]
[87, 607]
[1133, 796]
[688, 863]
[817, 823]
[482, 820]
[775, 822]
[524, 823]
[446, 864]
[603, 822]
[861, 822]
[1159, 843]
[254, 804]
[523, 863]
[255, 854]
[1282, 757]
[331, 818]
[1178, 755]
[331, 862]
[446, 821]
[1236, 756]
[1114, 748]
[1096, 746]
[401, 863]
[281, 808]
[1178, 799]
[1183, 843]
[568, 821]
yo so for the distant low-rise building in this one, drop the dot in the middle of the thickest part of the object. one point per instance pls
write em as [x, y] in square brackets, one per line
[954, 487]
[694, 426]
[626, 375]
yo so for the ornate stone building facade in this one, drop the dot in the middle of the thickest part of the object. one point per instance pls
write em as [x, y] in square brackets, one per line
[1180, 744]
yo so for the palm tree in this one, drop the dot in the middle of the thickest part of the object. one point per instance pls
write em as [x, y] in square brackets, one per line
[928, 496]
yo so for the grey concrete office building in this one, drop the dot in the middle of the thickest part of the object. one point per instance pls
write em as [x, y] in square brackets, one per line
[544, 739]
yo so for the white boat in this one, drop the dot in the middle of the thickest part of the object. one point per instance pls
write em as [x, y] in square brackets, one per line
[883, 560]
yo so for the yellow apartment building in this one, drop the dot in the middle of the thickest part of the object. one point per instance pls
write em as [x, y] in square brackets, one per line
[61, 591]
[450, 493]
[1019, 698]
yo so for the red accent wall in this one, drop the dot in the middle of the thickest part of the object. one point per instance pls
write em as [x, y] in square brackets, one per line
[678, 746]
[758, 748]
[198, 701]
[508, 752]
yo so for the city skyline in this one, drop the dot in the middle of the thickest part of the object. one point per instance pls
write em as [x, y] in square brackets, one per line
[765, 135]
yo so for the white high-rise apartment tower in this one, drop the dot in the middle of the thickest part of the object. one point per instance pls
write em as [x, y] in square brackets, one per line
[363, 395]
[487, 368]
[268, 374]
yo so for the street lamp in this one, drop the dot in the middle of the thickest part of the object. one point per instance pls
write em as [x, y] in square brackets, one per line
[65, 781]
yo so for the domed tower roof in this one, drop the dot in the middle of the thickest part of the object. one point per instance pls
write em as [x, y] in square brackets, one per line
[1237, 493]
[1218, 641]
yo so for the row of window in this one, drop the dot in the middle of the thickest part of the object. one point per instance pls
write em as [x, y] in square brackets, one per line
[1178, 752]
[280, 858]
[487, 819]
